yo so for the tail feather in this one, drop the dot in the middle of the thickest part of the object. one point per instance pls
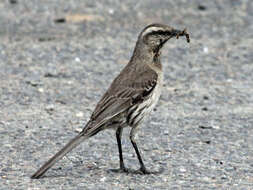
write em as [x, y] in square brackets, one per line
[66, 149]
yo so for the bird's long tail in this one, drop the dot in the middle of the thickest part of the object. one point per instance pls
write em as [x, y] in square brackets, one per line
[66, 149]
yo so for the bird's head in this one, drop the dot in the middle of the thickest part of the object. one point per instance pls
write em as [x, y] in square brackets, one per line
[154, 36]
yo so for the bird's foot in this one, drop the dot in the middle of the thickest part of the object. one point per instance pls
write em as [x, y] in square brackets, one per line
[123, 169]
[144, 171]
[141, 171]
[120, 170]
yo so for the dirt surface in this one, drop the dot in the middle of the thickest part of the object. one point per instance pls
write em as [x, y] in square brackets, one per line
[57, 58]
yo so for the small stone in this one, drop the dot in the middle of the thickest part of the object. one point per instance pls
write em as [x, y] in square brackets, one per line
[78, 130]
[103, 179]
[216, 127]
[79, 114]
[205, 50]
[201, 7]
[77, 59]
[13, 1]
[50, 108]
[33, 83]
[111, 11]
[205, 127]
[205, 97]
[40, 89]
[60, 20]
[206, 178]
[182, 169]
[207, 142]
[224, 177]
[204, 109]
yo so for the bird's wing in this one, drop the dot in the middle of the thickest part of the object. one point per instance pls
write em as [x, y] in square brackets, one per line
[127, 89]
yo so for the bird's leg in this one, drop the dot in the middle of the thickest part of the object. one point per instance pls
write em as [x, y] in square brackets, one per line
[132, 138]
[121, 161]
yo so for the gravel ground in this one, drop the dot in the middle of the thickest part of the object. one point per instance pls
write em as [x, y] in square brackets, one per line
[58, 57]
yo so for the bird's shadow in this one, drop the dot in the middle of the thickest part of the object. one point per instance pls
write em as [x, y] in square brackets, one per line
[132, 171]
[129, 171]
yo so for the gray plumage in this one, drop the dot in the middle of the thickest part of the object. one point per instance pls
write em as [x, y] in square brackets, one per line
[131, 96]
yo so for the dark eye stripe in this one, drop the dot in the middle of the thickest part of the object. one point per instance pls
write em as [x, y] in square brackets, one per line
[159, 32]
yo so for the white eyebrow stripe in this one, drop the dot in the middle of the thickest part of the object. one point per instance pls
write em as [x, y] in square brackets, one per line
[152, 29]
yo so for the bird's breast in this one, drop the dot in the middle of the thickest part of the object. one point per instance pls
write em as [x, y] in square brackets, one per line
[139, 111]
[156, 93]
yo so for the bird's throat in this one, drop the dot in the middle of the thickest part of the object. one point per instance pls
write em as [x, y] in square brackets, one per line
[157, 59]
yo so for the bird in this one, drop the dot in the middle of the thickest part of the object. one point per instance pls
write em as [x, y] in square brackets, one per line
[131, 96]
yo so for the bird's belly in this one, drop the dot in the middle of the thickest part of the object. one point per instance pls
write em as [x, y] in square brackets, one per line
[152, 101]
[138, 112]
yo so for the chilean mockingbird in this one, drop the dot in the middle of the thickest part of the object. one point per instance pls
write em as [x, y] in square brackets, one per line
[131, 96]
